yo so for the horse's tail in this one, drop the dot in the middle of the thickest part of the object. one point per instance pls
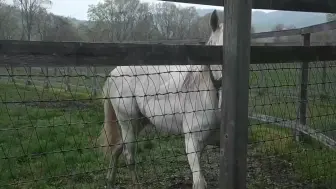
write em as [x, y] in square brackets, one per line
[110, 135]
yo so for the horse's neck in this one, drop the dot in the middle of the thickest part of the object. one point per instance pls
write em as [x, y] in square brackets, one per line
[197, 79]
[181, 76]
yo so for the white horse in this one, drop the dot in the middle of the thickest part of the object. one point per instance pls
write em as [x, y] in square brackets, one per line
[179, 99]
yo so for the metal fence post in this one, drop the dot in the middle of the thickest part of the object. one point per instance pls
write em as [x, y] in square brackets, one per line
[303, 90]
[234, 124]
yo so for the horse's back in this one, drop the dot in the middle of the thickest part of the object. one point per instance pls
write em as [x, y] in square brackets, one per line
[149, 80]
[155, 90]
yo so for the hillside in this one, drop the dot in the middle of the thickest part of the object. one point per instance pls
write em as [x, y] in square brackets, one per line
[266, 21]
[263, 21]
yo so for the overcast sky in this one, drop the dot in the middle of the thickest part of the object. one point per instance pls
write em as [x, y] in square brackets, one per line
[78, 8]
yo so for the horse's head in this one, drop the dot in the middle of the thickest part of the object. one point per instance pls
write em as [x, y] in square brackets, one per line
[216, 39]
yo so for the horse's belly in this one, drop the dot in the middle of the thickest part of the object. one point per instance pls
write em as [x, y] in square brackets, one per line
[167, 124]
[163, 114]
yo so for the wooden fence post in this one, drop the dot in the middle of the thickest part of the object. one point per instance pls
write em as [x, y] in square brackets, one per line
[94, 81]
[234, 107]
[303, 90]
[29, 80]
[324, 78]
[87, 71]
[46, 73]
[324, 75]
[11, 77]
[67, 79]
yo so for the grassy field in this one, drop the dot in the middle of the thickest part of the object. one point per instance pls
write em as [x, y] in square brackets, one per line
[48, 138]
[278, 96]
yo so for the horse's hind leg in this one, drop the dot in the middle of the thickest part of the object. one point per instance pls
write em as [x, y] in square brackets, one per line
[113, 166]
[129, 133]
[194, 147]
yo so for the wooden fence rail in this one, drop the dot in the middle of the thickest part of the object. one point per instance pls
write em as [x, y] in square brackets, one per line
[63, 54]
[305, 129]
[53, 54]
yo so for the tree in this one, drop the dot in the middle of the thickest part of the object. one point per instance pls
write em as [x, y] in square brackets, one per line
[163, 18]
[294, 38]
[185, 19]
[63, 30]
[201, 28]
[43, 24]
[175, 22]
[252, 29]
[278, 27]
[114, 21]
[29, 10]
[9, 28]
[144, 28]
[86, 33]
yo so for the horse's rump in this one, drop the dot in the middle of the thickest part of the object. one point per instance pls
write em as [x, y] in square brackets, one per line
[110, 133]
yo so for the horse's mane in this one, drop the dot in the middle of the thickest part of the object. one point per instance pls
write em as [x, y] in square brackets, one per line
[194, 76]
[191, 76]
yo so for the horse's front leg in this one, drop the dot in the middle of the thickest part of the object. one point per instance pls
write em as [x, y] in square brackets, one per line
[194, 146]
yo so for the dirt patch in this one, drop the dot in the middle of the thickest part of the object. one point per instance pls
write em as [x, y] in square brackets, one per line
[263, 172]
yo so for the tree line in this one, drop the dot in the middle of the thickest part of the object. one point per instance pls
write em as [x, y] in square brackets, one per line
[112, 21]
[108, 21]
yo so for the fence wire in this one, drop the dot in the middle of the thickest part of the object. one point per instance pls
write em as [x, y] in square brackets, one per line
[50, 119]
[280, 159]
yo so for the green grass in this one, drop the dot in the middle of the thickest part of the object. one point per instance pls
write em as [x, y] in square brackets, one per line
[312, 162]
[53, 145]
[41, 140]
[279, 96]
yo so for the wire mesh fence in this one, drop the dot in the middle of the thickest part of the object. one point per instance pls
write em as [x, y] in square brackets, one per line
[275, 120]
[48, 135]
[79, 79]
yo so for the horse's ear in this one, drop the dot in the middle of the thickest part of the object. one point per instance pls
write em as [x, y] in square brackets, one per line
[214, 21]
